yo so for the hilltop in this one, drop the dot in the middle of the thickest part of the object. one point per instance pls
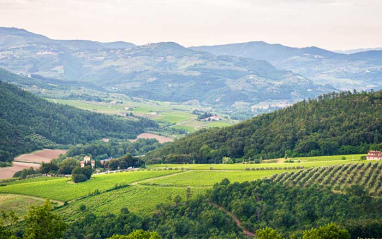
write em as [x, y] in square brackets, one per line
[337, 123]
[28, 122]
[163, 71]
[360, 70]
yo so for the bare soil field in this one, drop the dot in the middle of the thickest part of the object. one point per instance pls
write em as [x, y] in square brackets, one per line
[44, 155]
[161, 139]
[8, 172]
[30, 160]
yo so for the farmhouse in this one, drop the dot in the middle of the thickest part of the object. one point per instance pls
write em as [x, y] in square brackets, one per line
[87, 161]
[374, 155]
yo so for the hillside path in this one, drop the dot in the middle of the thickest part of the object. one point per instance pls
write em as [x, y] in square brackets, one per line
[238, 222]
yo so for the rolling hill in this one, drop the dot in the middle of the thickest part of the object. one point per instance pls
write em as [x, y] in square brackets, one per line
[360, 70]
[337, 123]
[28, 122]
[161, 71]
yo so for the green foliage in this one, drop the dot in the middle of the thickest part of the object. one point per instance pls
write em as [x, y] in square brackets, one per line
[330, 231]
[289, 209]
[337, 123]
[267, 233]
[42, 224]
[124, 162]
[25, 172]
[81, 174]
[7, 220]
[28, 122]
[67, 166]
[138, 234]
[60, 189]
[359, 179]
[103, 150]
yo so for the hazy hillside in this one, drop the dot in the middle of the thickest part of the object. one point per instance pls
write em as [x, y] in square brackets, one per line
[161, 71]
[342, 123]
[29, 123]
[361, 70]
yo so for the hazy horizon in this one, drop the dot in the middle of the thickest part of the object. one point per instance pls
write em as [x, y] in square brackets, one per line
[328, 24]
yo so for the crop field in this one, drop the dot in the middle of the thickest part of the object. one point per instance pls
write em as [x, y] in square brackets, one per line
[138, 199]
[142, 191]
[64, 189]
[209, 178]
[304, 162]
[367, 174]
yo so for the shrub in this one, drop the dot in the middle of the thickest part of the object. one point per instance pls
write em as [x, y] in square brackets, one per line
[78, 178]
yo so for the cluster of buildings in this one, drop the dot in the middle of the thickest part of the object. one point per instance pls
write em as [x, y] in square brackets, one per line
[374, 155]
[88, 161]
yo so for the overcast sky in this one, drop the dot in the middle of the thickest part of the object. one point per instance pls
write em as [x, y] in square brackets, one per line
[330, 24]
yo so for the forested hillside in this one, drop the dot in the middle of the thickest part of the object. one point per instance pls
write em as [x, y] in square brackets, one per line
[28, 122]
[337, 123]
[258, 204]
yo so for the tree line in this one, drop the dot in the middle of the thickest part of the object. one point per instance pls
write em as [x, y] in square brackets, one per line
[28, 123]
[336, 123]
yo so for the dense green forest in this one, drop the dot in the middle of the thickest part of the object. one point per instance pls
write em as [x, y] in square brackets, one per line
[337, 123]
[102, 150]
[28, 122]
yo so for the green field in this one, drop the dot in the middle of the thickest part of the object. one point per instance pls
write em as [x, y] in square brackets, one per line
[138, 199]
[64, 189]
[177, 115]
[209, 178]
[143, 190]
[18, 203]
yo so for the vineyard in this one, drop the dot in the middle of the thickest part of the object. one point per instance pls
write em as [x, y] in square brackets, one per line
[64, 189]
[337, 177]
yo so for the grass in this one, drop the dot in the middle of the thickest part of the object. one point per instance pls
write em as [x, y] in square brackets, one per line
[209, 178]
[355, 157]
[138, 199]
[20, 204]
[241, 166]
[31, 180]
[143, 190]
[64, 189]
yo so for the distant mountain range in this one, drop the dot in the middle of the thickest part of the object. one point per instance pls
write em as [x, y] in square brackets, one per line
[221, 75]
[361, 70]
[358, 50]
[160, 71]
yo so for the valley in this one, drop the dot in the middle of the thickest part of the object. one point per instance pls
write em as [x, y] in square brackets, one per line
[242, 140]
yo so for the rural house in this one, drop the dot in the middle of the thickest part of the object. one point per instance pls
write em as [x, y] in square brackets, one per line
[374, 155]
[87, 161]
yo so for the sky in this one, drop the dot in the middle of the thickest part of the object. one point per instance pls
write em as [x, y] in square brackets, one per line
[330, 24]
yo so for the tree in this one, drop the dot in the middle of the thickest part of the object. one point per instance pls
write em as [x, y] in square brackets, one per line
[138, 234]
[81, 174]
[267, 233]
[67, 166]
[7, 220]
[43, 224]
[177, 200]
[330, 231]
[44, 168]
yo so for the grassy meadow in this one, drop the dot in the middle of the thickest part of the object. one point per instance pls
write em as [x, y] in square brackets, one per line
[143, 190]
[177, 115]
